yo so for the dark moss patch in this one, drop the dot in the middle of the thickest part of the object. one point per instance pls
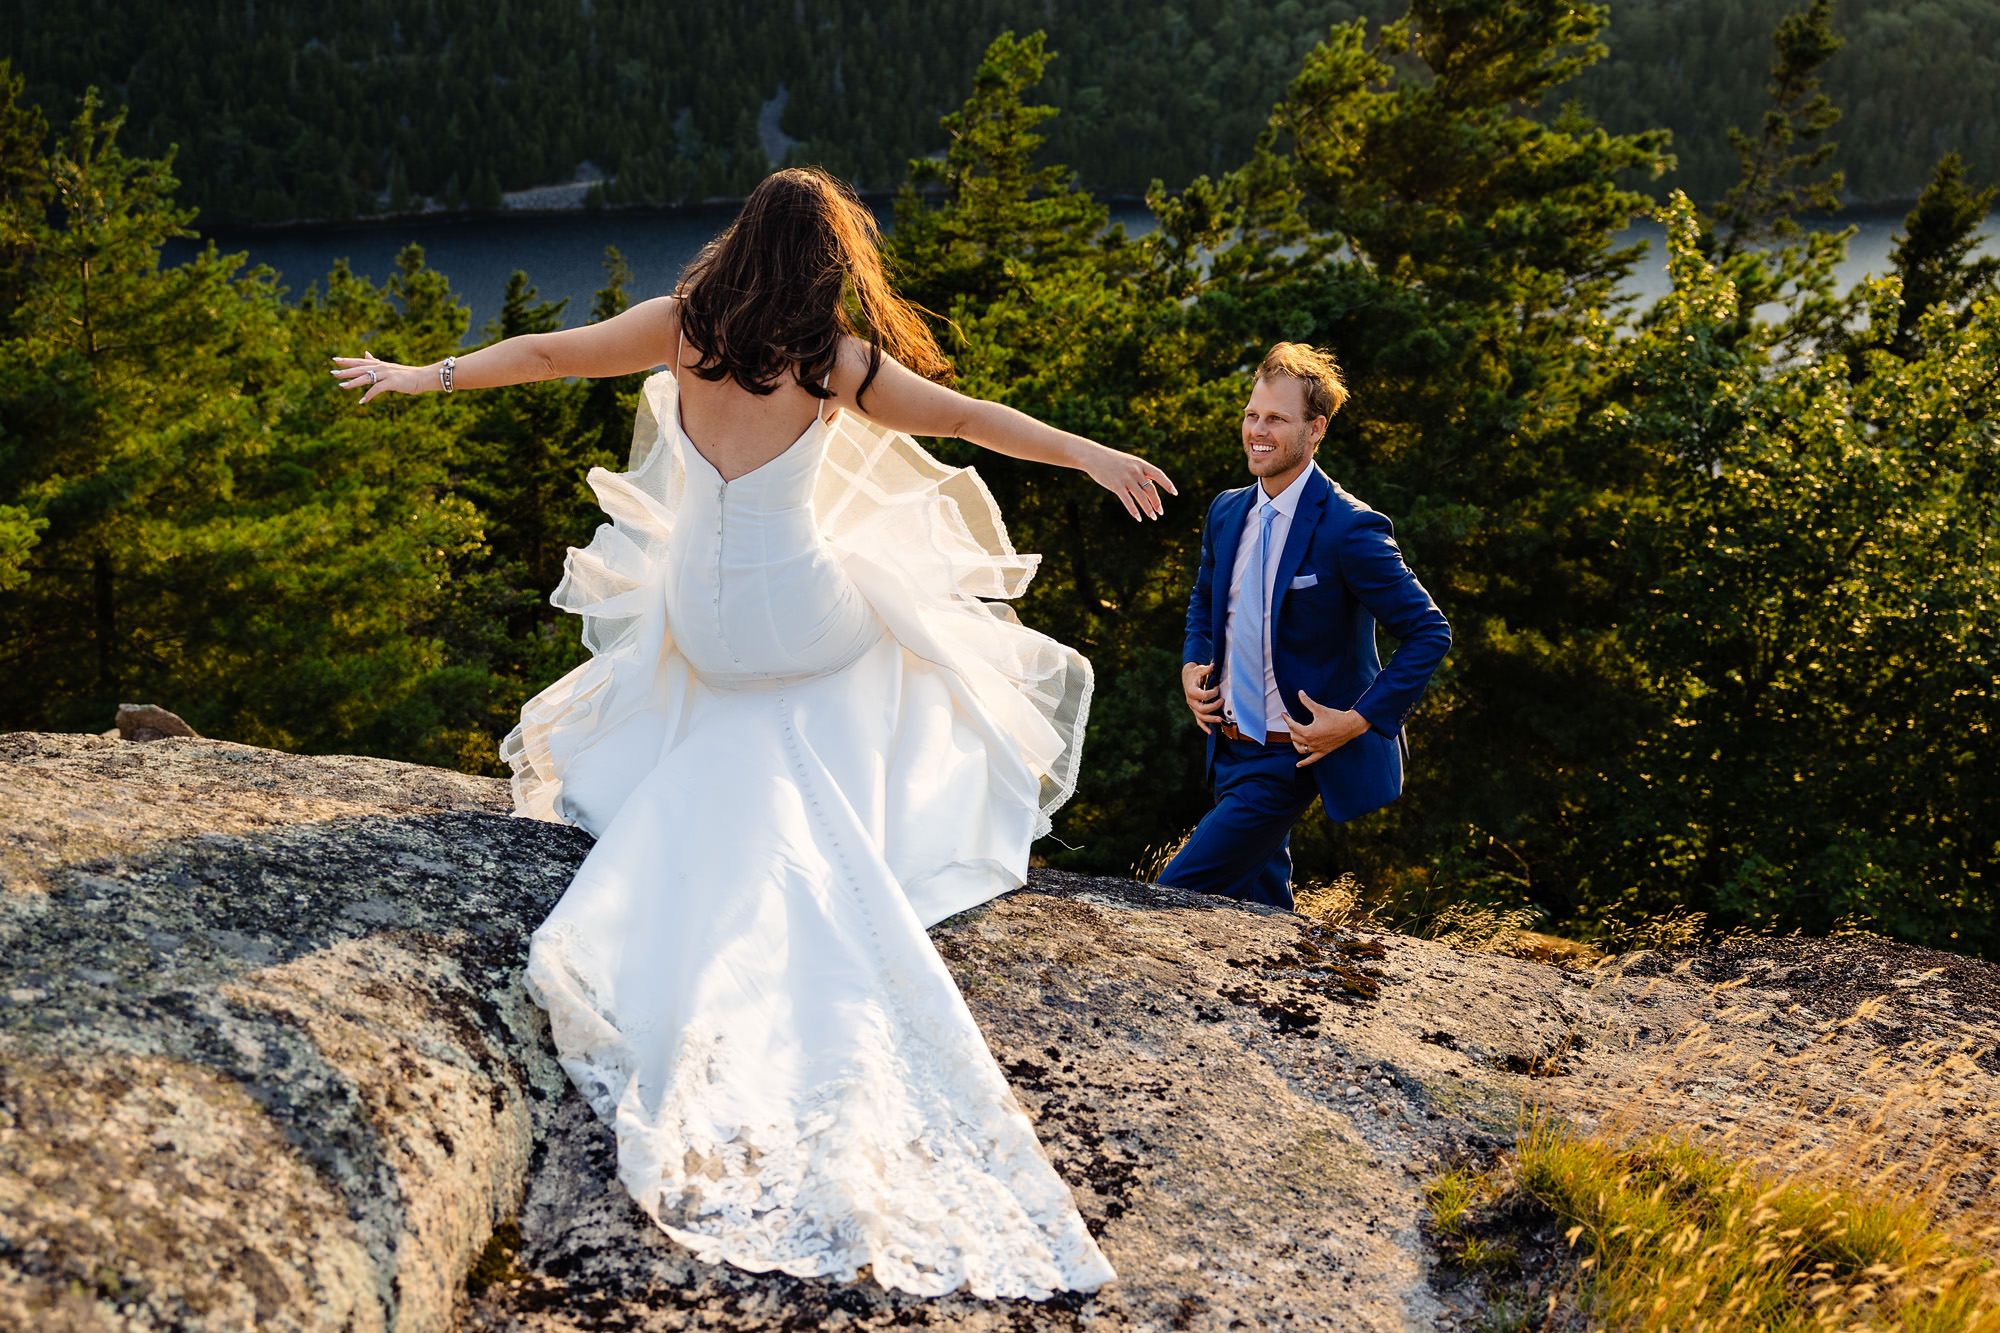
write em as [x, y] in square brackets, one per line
[1318, 965]
[1534, 1066]
[495, 1264]
[1507, 1258]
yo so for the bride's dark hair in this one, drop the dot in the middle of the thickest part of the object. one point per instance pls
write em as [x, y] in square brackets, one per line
[800, 267]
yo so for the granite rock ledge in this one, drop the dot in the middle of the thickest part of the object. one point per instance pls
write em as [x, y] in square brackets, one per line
[265, 1063]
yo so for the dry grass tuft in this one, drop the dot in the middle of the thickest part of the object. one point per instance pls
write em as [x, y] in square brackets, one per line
[1854, 1086]
[1831, 1103]
[1673, 930]
[1341, 905]
[1154, 859]
[1668, 1235]
[1478, 929]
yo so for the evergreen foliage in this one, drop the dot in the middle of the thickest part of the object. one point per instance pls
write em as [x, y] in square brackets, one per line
[1912, 81]
[1816, 559]
[1723, 576]
[190, 510]
[1933, 258]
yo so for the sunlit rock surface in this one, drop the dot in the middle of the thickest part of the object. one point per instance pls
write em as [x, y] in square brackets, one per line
[265, 1063]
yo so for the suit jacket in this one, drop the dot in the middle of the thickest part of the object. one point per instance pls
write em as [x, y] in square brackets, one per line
[1339, 575]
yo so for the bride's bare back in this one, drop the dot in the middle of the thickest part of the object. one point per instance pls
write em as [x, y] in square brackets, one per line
[735, 430]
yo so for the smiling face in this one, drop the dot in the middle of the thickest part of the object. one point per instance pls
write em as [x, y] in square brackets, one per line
[1278, 437]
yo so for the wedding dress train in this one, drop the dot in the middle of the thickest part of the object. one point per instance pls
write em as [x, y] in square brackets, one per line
[804, 735]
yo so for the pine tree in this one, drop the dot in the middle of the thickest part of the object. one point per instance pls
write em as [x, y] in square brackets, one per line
[1005, 213]
[1042, 309]
[1933, 256]
[484, 197]
[432, 320]
[23, 184]
[519, 471]
[1764, 203]
[109, 391]
[23, 188]
[748, 162]
[1768, 258]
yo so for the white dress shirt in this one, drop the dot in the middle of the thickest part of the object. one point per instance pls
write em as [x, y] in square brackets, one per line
[1286, 502]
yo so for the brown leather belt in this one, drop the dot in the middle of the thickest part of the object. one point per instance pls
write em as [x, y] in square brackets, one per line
[1230, 730]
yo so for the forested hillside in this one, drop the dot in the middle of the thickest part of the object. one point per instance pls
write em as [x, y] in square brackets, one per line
[1914, 81]
[286, 109]
[283, 109]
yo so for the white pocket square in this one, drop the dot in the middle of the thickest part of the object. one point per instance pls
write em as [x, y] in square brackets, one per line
[1305, 580]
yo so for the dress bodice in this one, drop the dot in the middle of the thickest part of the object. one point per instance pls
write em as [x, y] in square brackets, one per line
[792, 572]
[757, 595]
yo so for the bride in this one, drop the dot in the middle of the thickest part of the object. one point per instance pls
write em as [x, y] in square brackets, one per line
[807, 732]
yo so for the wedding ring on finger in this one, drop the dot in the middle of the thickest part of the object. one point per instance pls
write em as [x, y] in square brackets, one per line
[372, 377]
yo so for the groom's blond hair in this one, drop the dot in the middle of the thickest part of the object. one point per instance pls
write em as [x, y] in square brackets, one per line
[1316, 371]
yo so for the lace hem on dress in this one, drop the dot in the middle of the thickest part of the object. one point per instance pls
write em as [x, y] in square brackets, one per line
[920, 1165]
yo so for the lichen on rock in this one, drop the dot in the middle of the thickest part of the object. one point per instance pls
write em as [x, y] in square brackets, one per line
[265, 1061]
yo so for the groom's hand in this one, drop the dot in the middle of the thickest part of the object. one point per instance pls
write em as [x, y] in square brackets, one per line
[1330, 729]
[1202, 700]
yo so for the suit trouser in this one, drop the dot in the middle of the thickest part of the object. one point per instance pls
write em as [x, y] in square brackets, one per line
[1243, 847]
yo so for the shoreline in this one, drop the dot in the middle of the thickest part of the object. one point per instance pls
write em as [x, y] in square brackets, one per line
[872, 198]
[1869, 208]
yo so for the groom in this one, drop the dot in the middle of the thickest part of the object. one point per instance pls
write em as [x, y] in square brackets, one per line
[1281, 670]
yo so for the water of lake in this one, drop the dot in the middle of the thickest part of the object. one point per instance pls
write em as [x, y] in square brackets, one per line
[1867, 251]
[562, 253]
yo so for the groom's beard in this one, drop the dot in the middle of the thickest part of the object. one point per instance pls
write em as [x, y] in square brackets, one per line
[1288, 453]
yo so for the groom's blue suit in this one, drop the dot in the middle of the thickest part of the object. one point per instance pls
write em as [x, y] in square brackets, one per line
[1339, 574]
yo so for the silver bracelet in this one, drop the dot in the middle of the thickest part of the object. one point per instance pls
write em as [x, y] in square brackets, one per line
[444, 372]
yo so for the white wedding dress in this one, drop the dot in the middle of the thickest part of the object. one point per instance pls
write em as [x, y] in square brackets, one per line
[802, 738]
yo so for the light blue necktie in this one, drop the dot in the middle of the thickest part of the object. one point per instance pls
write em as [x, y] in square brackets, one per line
[1246, 645]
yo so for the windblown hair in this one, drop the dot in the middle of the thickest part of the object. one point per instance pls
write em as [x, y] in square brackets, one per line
[1316, 371]
[799, 268]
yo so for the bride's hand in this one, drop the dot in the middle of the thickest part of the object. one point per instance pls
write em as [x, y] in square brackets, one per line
[1134, 481]
[378, 377]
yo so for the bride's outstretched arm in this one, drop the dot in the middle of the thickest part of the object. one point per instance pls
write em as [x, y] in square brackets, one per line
[637, 339]
[903, 400]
